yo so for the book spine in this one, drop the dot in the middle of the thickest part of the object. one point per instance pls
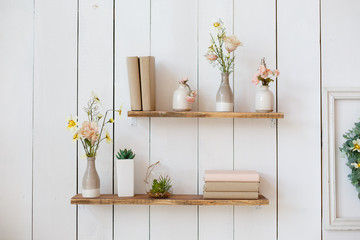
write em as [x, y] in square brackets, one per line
[134, 83]
[232, 178]
[231, 186]
[231, 195]
[147, 78]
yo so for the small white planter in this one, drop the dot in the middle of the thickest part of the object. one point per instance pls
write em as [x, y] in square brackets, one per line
[125, 177]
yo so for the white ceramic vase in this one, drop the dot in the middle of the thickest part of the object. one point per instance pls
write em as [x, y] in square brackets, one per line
[179, 98]
[224, 96]
[264, 99]
[91, 180]
[125, 177]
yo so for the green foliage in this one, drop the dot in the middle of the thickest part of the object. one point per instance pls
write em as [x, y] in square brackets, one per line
[161, 185]
[125, 154]
[353, 156]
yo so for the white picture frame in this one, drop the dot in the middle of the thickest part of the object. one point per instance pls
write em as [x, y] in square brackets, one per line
[331, 220]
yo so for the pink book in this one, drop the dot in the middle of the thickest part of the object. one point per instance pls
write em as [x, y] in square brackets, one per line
[231, 175]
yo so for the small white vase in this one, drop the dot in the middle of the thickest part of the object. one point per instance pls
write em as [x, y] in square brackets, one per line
[91, 180]
[125, 177]
[264, 99]
[179, 98]
[224, 95]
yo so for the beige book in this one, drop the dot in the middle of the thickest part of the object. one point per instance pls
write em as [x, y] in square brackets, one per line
[134, 82]
[231, 176]
[147, 78]
[231, 186]
[231, 195]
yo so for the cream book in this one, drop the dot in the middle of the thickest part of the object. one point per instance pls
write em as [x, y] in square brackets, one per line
[147, 79]
[231, 186]
[134, 83]
[231, 176]
[231, 195]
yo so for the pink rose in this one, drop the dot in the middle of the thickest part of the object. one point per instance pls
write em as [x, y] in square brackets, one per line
[89, 130]
[183, 80]
[255, 79]
[262, 69]
[231, 43]
[190, 99]
[211, 57]
[276, 73]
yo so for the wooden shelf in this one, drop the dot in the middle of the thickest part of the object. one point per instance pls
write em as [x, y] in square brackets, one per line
[205, 114]
[143, 199]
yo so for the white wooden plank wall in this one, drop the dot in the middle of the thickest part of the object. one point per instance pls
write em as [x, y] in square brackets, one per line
[55, 93]
[53, 54]
[340, 61]
[16, 74]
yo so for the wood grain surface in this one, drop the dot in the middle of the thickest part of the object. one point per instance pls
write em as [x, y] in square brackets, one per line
[205, 114]
[143, 199]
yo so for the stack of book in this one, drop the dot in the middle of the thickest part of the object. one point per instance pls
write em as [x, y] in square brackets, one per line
[141, 75]
[231, 184]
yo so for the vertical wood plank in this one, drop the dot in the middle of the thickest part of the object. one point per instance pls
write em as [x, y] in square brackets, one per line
[131, 133]
[174, 44]
[340, 61]
[54, 174]
[16, 78]
[215, 135]
[254, 139]
[299, 134]
[96, 74]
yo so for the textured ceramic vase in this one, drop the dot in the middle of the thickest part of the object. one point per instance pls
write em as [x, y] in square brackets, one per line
[224, 96]
[125, 177]
[264, 99]
[91, 180]
[179, 98]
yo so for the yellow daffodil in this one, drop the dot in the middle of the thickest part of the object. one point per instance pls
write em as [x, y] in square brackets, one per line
[216, 24]
[111, 120]
[356, 145]
[76, 136]
[72, 124]
[119, 111]
[356, 165]
[107, 137]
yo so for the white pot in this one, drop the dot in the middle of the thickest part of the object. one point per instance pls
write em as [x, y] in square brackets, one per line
[179, 98]
[125, 177]
[264, 99]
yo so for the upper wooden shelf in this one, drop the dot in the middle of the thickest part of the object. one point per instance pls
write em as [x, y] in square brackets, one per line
[143, 199]
[205, 114]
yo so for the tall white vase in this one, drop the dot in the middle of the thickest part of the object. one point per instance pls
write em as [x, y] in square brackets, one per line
[264, 99]
[125, 177]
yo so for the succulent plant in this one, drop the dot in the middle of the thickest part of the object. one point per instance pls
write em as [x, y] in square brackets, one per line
[161, 185]
[125, 154]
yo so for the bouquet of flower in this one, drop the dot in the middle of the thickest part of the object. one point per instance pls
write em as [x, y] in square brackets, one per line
[351, 148]
[90, 134]
[216, 55]
[193, 93]
[264, 74]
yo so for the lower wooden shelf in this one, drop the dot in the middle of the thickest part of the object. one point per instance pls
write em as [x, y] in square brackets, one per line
[143, 199]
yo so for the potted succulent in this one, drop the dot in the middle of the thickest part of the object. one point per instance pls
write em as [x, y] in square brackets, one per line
[161, 187]
[125, 172]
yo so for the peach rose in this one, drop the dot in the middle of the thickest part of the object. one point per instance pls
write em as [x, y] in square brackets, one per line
[255, 79]
[231, 43]
[276, 73]
[190, 99]
[211, 57]
[89, 130]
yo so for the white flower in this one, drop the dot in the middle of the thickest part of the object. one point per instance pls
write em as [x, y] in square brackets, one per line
[232, 43]
[356, 165]
[356, 145]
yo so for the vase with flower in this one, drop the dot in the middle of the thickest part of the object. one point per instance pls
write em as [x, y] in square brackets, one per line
[183, 96]
[264, 98]
[217, 56]
[91, 135]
